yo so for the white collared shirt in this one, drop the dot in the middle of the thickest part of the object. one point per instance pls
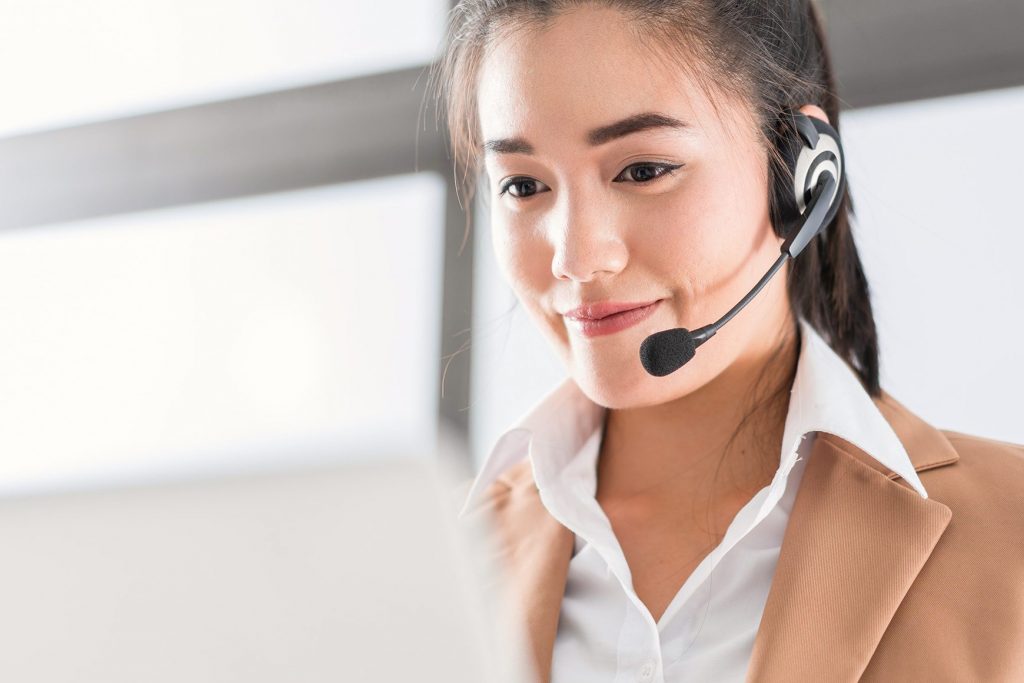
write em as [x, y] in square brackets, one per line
[605, 632]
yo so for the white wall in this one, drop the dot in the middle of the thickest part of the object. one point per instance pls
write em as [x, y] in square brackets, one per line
[936, 185]
[941, 228]
[280, 328]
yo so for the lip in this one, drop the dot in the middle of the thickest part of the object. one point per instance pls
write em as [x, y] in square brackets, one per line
[626, 316]
[603, 309]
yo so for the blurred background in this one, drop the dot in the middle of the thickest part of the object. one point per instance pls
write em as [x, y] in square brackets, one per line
[229, 234]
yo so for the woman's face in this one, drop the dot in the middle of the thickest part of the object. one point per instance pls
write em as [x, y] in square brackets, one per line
[578, 218]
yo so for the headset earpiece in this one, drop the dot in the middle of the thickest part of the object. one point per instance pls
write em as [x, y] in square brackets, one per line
[810, 148]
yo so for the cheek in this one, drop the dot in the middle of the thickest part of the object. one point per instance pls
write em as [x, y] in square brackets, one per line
[691, 237]
[523, 257]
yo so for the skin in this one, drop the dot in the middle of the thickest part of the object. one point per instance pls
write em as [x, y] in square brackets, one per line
[586, 227]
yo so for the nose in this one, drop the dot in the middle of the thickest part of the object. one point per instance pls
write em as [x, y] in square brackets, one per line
[586, 248]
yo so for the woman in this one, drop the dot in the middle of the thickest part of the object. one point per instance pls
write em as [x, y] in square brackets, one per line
[766, 512]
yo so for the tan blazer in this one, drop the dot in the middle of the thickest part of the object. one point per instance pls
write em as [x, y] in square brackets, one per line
[873, 582]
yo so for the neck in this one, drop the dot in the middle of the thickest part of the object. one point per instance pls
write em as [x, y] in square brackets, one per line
[721, 442]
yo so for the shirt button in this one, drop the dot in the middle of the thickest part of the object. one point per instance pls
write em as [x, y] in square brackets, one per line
[646, 672]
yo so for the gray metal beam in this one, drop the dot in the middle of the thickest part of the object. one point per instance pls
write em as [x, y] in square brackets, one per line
[330, 133]
[887, 51]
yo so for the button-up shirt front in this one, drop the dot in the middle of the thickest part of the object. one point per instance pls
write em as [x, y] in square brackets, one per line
[605, 632]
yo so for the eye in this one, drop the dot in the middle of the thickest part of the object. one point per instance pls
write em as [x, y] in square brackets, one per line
[641, 179]
[647, 176]
[520, 180]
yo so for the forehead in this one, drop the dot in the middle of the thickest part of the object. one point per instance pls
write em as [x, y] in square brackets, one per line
[585, 69]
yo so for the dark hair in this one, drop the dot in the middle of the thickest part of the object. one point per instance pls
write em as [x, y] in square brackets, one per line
[770, 54]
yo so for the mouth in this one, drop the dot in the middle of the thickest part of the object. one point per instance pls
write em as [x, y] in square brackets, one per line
[604, 309]
[612, 322]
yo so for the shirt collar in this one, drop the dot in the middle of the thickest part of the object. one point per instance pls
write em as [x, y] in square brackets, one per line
[826, 396]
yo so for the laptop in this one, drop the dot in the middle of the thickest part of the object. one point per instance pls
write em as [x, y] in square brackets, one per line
[332, 572]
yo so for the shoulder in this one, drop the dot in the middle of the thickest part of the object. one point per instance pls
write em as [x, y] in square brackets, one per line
[988, 472]
[957, 468]
[983, 489]
[1012, 454]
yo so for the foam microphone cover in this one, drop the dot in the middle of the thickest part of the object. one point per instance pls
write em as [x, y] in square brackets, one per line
[664, 352]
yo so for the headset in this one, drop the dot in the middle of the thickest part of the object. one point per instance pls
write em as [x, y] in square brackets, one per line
[814, 154]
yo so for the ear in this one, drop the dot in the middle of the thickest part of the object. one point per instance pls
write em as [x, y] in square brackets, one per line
[815, 111]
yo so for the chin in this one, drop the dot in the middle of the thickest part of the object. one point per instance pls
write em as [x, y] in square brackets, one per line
[618, 390]
[634, 387]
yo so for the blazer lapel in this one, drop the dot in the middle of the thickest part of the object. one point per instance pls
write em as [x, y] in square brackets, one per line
[855, 541]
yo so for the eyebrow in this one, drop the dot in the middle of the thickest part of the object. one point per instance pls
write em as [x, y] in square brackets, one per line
[598, 136]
